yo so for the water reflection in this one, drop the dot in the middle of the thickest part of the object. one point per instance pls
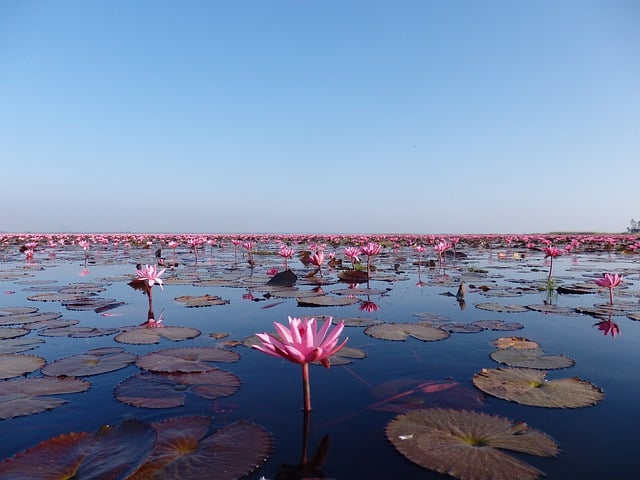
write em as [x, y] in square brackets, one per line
[608, 327]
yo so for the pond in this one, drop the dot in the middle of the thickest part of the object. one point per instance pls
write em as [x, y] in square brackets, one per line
[530, 371]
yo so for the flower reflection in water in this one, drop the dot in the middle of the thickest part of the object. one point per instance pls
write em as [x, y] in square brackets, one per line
[608, 327]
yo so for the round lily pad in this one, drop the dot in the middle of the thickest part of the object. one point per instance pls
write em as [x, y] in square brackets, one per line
[17, 345]
[401, 331]
[548, 308]
[166, 390]
[92, 362]
[6, 333]
[531, 358]
[360, 321]
[346, 355]
[497, 307]
[468, 445]
[25, 319]
[77, 332]
[454, 327]
[231, 452]
[531, 387]
[147, 335]
[26, 396]
[186, 359]
[326, 301]
[498, 325]
[201, 301]
[519, 343]
[15, 364]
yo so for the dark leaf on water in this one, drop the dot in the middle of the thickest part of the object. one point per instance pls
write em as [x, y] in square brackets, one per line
[112, 453]
[92, 362]
[283, 279]
[185, 451]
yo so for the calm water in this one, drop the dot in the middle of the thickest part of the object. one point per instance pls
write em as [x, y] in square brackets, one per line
[595, 442]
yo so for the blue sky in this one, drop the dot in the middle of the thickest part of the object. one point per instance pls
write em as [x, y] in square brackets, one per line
[332, 116]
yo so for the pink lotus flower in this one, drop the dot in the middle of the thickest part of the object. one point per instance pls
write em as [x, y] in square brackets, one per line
[303, 343]
[151, 275]
[371, 249]
[352, 253]
[610, 281]
[317, 259]
[286, 252]
[551, 252]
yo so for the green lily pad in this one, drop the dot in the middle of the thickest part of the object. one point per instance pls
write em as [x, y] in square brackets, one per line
[468, 445]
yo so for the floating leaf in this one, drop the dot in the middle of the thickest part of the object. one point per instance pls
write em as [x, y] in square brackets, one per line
[498, 325]
[166, 390]
[202, 301]
[17, 345]
[360, 321]
[92, 362]
[183, 450]
[530, 387]
[6, 333]
[325, 301]
[519, 343]
[346, 355]
[186, 359]
[496, 307]
[549, 308]
[454, 327]
[531, 358]
[77, 332]
[283, 279]
[468, 445]
[15, 364]
[110, 453]
[26, 319]
[26, 396]
[147, 335]
[401, 331]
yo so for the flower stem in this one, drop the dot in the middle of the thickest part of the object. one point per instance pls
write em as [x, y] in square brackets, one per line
[610, 296]
[306, 389]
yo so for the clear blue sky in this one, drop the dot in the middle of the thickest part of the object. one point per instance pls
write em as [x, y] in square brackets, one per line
[319, 116]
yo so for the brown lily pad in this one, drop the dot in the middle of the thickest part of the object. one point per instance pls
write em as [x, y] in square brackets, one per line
[402, 331]
[195, 359]
[15, 364]
[468, 445]
[147, 335]
[498, 325]
[185, 450]
[201, 301]
[530, 387]
[519, 343]
[8, 332]
[92, 362]
[110, 452]
[326, 301]
[167, 390]
[531, 358]
[26, 396]
[77, 332]
[17, 345]
[497, 307]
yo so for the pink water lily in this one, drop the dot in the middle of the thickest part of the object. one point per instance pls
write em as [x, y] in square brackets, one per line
[151, 275]
[303, 342]
[610, 281]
